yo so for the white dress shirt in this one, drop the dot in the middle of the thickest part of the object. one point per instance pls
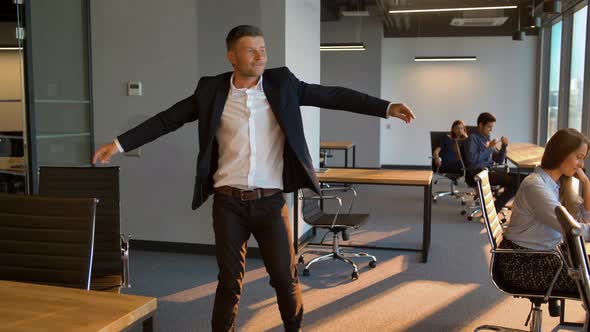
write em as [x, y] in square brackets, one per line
[250, 141]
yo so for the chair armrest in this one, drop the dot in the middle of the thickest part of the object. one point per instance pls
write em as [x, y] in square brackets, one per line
[343, 189]
[319, 198]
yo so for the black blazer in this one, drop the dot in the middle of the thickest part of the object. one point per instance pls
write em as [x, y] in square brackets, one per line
[285, 93]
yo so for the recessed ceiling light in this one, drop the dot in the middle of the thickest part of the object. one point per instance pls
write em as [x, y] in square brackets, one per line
[400, 11]
[444, 58]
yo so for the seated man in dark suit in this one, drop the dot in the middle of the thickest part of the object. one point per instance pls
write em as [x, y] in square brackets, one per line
[481, 152]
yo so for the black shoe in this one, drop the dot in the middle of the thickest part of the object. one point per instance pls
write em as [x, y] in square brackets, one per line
[554, 308]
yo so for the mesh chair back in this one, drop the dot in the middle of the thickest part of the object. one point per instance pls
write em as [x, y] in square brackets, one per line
[471, 129]
[435, 139]
[310, 209]
[576, 253]
[102, 183]
[47, 240]
[492, 222]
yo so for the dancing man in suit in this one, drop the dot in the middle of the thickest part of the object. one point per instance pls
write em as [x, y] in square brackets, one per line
[251, 149]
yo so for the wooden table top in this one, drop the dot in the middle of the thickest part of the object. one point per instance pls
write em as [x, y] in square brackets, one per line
[336, 145]
[31, 307]
[376, 176]
[525, 155]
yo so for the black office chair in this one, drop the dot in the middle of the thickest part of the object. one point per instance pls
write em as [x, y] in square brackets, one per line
[573, 249]
[335, 224]
[435, 139]
[111, 255]
[495, 235]
[47, 240]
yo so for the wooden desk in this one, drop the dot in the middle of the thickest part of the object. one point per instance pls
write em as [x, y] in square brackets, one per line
[524, 156]
[383, 177]
[345, 146]
[30, 307]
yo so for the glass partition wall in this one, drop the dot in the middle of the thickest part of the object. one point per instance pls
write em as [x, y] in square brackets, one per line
[12, 161]
[59, 113]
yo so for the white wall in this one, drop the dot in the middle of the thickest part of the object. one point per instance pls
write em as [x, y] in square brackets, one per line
[501, 82]
[302, 56]
[155, 43]
[356, 70]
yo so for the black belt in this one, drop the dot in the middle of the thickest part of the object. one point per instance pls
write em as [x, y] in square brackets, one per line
[246, 195]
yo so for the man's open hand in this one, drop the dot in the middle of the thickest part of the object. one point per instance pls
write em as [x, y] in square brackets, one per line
[105, 152]
[401, 111]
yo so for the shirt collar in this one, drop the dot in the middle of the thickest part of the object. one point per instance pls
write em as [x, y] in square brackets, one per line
[234, 91]
[547, 179]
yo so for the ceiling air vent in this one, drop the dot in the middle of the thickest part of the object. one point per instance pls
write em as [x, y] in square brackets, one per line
[478, 21]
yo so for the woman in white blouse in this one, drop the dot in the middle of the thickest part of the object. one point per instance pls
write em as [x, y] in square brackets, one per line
[533, 224]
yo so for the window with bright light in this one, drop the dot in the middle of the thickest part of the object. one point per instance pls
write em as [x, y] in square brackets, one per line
[577, 69]
[554, 66]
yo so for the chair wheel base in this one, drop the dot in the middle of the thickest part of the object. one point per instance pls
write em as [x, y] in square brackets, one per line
[373, 264]
[301, 261]
[306, 272]
[463, 212]
[354, 275]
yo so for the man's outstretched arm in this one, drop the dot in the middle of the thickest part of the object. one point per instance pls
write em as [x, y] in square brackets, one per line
[340, 98]
[162, 123]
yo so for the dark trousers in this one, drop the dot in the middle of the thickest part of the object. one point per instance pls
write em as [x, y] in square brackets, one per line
[267, 219]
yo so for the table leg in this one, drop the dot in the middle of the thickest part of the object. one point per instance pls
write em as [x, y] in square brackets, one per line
[148, 324]
[354, 156]
[345, 158]
[296, 221]
[427, 222]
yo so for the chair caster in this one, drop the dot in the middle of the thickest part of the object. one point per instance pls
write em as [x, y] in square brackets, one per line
[463, 212]
[470, 218]
[354, 276]
[463, 202]
[433, 199]
[301, 261]
[306, 272]
[373, 264]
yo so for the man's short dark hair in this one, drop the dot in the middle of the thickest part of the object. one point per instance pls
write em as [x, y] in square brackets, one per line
[485, 118]
[241, 31]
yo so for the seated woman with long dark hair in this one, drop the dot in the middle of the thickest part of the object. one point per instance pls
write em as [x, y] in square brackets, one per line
[534, 225]
[446, 156]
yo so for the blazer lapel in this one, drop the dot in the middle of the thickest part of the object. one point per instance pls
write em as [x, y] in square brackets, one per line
[219, 103]
[274, 99]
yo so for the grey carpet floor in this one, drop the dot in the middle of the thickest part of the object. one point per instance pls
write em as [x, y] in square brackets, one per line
[452, 292]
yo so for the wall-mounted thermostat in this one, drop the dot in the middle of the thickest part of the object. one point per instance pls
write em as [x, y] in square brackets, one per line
[134, 88]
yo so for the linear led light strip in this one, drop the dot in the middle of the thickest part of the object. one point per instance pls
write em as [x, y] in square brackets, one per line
[448, 9]
[445, 58]
[342, 47]
[10, 48]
